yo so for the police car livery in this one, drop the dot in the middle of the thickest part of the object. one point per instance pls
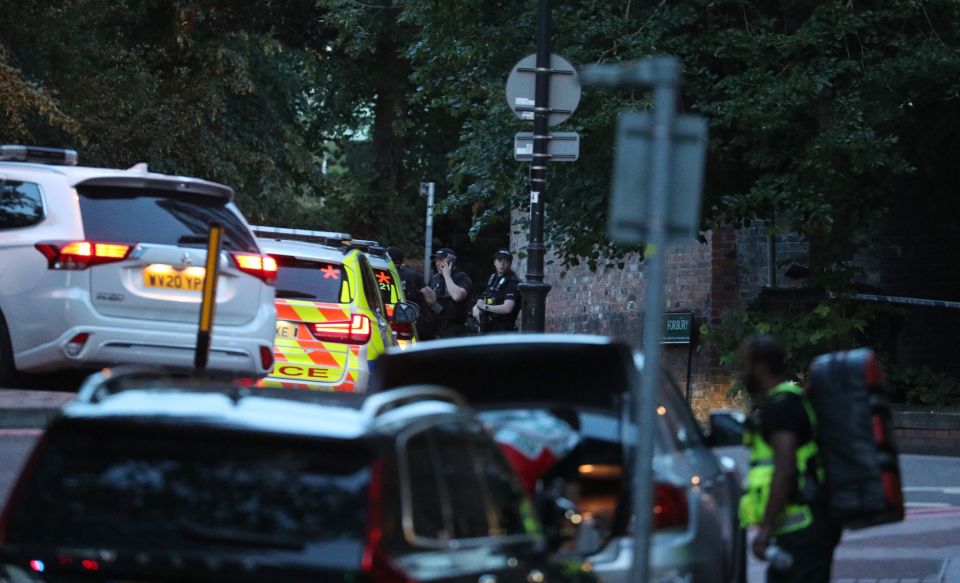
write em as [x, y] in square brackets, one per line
[331, 319]
[390, 285]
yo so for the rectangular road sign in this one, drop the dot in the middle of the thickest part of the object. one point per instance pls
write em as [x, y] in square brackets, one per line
[630, 199]
[561, 147]
[677, 328]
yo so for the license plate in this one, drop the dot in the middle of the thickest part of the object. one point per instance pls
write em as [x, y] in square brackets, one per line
[286, 330]
[166, 277]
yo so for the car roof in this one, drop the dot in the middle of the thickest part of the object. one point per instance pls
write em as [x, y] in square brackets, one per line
[254, 413]
[379, 262]
[302, 249]
[517, 369]
[140, 394]
[138, 175]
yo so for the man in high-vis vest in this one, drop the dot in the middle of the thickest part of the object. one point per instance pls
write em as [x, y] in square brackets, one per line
[783, 493]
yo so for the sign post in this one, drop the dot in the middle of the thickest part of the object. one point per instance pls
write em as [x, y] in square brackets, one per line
[209, 302]
[678, 329]
[545, 89]
[427, 190]
[650, 203]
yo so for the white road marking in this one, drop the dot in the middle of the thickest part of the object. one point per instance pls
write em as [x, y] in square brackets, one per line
[954, 491]
[20, 432]
[928, 505]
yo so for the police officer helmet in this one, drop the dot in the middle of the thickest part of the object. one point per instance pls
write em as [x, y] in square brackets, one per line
[503, 254]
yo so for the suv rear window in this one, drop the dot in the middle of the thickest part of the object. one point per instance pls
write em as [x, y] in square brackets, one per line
[315, 281]
[131, 215]
[164, 489]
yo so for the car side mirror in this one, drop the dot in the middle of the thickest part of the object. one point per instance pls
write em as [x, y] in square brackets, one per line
[726, 428]
[405, 312]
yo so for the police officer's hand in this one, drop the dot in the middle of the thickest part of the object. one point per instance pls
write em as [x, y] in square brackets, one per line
[760, 543]
[446, 268]
[480, 304]
[429, 296]
[476, 311]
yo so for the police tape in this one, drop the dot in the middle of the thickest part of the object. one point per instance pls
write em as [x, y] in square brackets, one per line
[907, 301]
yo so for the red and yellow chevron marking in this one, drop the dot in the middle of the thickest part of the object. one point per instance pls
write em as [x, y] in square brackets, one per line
[303, 311]
[348, 385]
[300, 355]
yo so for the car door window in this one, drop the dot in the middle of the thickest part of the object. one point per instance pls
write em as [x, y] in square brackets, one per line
[370, 288]
[684, 433]
[428, 495]
[510, 512]
[21, 204]
[459, 467]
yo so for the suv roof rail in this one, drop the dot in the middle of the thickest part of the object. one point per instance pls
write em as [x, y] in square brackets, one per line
[38, 155]
[379, 403]
[111, 381]
[331, 238]
[369, 247]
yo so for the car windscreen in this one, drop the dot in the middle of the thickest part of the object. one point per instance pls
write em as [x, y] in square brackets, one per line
[163, 489]
[385, 282]
[315, 281]
[142, 215]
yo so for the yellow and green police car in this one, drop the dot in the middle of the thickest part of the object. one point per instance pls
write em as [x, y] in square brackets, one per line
[331, 319]
[391, 287]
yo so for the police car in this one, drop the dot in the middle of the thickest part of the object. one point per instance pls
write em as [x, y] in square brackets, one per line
[100, 266]
[331, 318]
[391, 287]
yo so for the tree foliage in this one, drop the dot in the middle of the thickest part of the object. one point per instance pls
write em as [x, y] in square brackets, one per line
[820, 111]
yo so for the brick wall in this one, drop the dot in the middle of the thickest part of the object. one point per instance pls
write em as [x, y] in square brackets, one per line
[700, 277]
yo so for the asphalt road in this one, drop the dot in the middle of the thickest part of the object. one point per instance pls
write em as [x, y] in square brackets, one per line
[925, 548]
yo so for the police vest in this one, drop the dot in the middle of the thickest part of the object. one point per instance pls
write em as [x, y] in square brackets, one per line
[799, 513]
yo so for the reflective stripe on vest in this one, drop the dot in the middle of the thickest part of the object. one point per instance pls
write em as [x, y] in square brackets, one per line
[798, 515]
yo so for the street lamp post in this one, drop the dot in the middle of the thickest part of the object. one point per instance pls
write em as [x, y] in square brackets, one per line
[534, 291]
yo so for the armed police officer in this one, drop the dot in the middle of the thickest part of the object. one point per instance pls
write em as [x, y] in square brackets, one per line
[446, 297]
[784, 493]
[497, 308]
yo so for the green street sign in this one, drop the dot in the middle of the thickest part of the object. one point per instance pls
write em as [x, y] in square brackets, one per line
[677, 328]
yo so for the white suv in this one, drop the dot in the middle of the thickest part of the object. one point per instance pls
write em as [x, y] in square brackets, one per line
[102, 266]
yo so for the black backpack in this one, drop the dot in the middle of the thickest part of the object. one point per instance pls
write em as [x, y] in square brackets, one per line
[855, 439]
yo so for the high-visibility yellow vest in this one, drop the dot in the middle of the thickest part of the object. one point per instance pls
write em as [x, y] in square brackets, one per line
[798, 514]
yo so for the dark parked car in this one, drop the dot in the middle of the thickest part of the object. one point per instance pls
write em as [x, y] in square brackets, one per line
[586, 381]
[149, 478]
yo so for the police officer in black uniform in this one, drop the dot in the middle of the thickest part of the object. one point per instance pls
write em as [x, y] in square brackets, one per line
[446, 296]
[497, 308]
[410, 278]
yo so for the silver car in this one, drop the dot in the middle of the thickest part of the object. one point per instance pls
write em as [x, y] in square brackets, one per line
[101, 266]
[585, 382]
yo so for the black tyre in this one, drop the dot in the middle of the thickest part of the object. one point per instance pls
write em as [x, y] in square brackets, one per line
[8, 372]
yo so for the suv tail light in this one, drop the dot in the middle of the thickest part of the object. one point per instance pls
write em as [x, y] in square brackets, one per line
[18, 488]
[356, 330]
[81, 254]
[669, 506]
[266, 357]
[404, 331]
[376, 564]
[260, 266]
[77, 343]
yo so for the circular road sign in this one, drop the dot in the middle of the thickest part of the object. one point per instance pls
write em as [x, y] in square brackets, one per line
[564, 89]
